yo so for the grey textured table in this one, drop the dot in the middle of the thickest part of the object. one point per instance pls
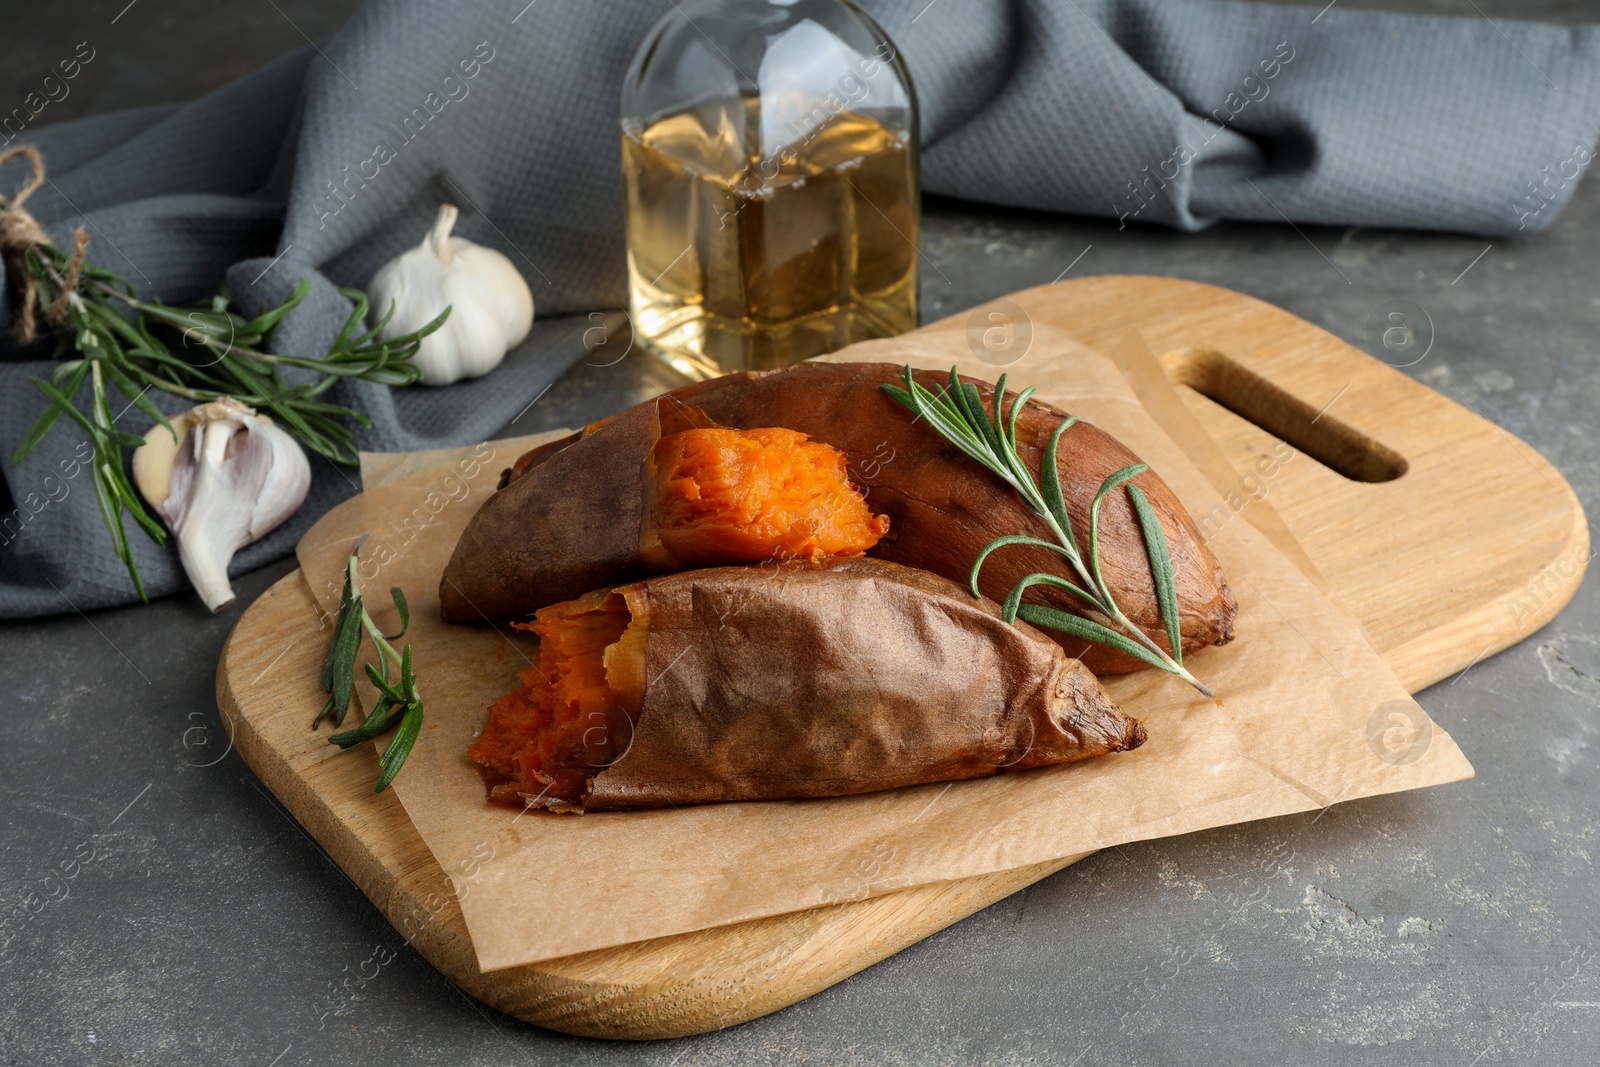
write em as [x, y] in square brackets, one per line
[1454, 926]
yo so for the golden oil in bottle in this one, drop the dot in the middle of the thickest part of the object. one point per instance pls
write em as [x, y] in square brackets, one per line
[738, 262]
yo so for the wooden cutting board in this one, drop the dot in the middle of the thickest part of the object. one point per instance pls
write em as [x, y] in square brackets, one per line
[1400, 505]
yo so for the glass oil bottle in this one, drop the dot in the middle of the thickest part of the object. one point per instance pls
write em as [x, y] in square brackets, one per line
[769, 157]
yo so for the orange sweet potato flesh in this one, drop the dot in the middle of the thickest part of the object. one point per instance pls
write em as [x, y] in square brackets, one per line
[943, 508]
[804, 679]
[563, 721]
[745, 496]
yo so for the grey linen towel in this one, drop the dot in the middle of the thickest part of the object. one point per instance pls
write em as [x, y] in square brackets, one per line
[329, 162]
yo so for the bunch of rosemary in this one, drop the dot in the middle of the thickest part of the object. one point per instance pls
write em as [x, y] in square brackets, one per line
[399, 706]
[956, 412]
[115, 341]
[223, 355]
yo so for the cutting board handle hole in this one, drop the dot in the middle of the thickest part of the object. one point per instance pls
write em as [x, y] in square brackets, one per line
[1312, 430]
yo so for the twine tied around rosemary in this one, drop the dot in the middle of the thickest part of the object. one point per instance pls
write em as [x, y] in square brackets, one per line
[20, 232]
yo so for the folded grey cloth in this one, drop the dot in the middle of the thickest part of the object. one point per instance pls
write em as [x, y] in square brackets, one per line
[329, 162]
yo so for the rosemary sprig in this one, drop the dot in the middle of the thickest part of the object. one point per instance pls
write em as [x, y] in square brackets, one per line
[956, 412]
[399, 706]
[112, 334]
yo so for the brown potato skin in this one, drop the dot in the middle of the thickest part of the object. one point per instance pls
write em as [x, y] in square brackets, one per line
[943, 508]
[815, 680]
[577, 524]
[567, 526]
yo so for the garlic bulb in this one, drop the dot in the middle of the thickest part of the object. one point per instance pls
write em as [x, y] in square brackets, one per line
[229, 478]
[491, 306]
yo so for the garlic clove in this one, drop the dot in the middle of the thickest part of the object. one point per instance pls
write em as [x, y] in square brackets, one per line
[491, 306]
[153, 460]
[232, 477]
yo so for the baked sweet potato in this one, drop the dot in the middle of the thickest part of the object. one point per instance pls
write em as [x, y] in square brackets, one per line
[943, 508]
[796, 679]
[658, 488]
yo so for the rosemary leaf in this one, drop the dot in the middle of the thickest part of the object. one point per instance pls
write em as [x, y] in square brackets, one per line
[1017, 404]
[1013, 602]
[972, 405]
[346, 594]
[51, 413]
[107, 499]
[357, 316]
[1050, 471]
[381, 684]
[1077, 626]
[138, 397]
[385, 376]
[263, 323]
[66, 370]
[385, 717]
[327, 710]
[1113, 480]
[63, 406]
[942, 413]
[405, 613]
[344, 664]
[1002, 542]
[1155, 542]
[367, 338]
[399, 747]
[1005, 442]
[129, 498]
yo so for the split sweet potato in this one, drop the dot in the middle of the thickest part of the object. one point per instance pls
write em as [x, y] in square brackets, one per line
[942, 508]
[789, 680]
[658, 488]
